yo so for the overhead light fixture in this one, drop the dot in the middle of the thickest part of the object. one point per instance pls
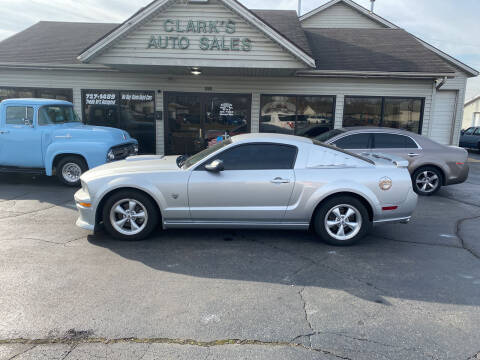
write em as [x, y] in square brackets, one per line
[195, 71]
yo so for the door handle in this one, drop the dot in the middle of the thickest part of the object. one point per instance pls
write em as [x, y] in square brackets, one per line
[413, 155]
[4, 131]
[279, 180]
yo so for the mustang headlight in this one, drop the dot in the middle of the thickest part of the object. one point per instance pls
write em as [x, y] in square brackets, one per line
[110, 155]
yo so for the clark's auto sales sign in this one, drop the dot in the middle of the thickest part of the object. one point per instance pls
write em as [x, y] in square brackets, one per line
[219, 35]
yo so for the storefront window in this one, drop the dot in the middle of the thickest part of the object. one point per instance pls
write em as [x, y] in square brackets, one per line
[307, 116]
[199, 120]
[362, 111]
[401, 113]
[44, 93]
[132, 111]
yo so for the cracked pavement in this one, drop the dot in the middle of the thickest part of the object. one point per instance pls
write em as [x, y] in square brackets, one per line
[405, 292]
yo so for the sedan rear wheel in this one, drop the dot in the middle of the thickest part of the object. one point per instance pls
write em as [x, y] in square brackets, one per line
[342, 221]
[427, 181]
[130, 215]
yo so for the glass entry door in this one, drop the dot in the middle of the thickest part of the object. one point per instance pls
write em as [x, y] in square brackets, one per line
[196, 121]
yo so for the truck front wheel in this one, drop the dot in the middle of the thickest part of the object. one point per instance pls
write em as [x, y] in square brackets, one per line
[69, 169]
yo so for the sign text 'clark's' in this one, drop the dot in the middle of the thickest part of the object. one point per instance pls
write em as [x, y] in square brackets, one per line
[180, 29]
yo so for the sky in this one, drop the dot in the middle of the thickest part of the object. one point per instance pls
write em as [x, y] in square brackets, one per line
[450, 25]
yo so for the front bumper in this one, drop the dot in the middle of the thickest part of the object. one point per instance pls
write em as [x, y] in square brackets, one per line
[86, 218]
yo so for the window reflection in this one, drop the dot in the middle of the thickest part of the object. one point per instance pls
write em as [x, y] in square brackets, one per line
[133, 111]
[401, 113]
[307, 116]
[44, 93]
[360, 111]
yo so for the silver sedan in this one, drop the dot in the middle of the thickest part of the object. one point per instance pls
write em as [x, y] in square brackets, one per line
[431, 165]
[249, 181]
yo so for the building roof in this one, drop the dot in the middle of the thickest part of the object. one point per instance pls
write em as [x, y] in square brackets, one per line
[372, 50]
[286, 22]
[52, 42]
[384, 50]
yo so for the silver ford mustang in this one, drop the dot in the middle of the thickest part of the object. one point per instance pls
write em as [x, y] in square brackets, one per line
[250, 181]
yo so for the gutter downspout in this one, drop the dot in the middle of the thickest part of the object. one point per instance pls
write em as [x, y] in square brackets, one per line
[441, 83]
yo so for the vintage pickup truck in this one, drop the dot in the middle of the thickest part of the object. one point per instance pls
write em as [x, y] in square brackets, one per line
[46, 136]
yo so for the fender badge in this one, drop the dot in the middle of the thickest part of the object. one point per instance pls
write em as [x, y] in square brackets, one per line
[385, 183]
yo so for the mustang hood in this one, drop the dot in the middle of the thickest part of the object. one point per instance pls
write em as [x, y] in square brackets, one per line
[140, 164]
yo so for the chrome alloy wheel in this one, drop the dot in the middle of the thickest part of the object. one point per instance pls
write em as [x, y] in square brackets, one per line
[128, 216]
[343, 222]
[71, 172]
[427, 181]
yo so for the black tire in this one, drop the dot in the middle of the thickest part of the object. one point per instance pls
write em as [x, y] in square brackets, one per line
[330, 235]
[144, 204]
[69, 169]
[424, 178]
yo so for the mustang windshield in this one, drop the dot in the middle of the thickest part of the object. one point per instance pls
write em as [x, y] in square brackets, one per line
[192, 160]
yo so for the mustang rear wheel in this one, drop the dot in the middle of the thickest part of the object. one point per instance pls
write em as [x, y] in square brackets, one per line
[69, 169]
[427, 180]
[130, 215]
[342, 221]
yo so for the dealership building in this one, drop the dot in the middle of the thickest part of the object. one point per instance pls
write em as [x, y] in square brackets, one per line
[178, 74]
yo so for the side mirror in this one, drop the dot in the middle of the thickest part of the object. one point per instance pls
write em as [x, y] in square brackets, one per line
[215, 166]
[27, 122]
[181, 160]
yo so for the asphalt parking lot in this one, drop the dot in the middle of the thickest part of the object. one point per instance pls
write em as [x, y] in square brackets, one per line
[405, 292]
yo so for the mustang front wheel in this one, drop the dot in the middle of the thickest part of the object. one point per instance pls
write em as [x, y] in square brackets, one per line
[130, 215]
[342, 221]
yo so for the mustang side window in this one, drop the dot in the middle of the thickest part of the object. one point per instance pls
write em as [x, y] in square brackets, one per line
[19, 115]
[259, 157]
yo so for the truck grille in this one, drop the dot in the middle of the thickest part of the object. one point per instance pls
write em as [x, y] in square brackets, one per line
[123, 151]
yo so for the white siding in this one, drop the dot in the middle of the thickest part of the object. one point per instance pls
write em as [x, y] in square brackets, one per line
[459, 84]
[470, 113]
[252, 85]
[341, 16]
[445, 107]
[133, 48]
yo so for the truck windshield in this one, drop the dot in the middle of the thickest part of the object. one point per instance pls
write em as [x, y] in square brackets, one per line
[57, 114]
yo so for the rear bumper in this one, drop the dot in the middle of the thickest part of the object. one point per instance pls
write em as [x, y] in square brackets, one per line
[459, 177]
[403, 212]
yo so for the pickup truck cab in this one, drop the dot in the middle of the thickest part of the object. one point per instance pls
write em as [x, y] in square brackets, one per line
[46, 136]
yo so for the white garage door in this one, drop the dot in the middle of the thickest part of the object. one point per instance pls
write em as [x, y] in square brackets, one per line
[443, 119]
